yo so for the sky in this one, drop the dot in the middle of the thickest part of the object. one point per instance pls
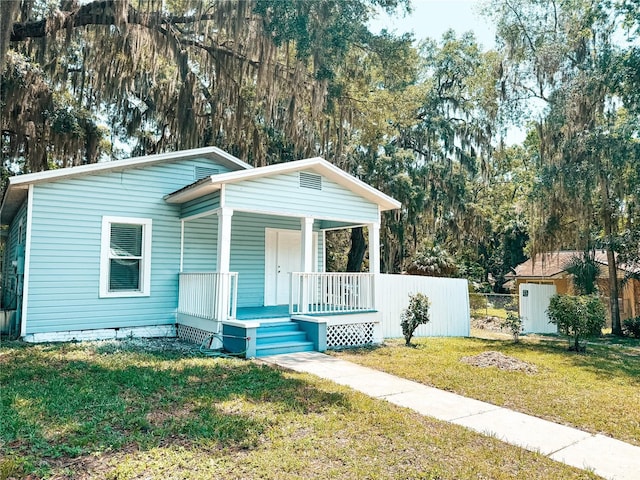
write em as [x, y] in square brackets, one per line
[431, 18]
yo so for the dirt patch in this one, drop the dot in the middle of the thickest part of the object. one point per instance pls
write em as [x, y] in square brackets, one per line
[501, 361]
[168, 344]
[488, 323]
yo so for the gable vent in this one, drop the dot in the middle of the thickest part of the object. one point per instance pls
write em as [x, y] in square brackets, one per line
[202, 172]
[310, 180]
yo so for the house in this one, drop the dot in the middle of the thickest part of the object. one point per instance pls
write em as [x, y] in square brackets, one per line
[189, 243]
[551, 269]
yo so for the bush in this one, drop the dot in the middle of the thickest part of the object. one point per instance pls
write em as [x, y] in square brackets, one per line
[416, 314]
[513, 323]
[631, 327]
[578, 317]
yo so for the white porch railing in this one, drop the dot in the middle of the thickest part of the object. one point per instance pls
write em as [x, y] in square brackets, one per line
[208, 295]
[331, 292]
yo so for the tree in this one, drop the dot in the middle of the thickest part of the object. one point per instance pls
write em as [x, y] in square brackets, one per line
[561, 57]
[253, 77]
[584, 271]
[577, 317]
[416, 314]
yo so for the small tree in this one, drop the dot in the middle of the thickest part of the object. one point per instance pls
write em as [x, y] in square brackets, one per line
[577, 317]
[513, 323]
[416, 314]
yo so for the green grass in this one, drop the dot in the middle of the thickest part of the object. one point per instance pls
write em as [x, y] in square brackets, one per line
[598, 391]
[112, 411]
[490, 312]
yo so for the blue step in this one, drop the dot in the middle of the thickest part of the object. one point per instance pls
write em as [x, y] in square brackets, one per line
[276, 337]
[266, 328]
[279, 337]
[283, 347]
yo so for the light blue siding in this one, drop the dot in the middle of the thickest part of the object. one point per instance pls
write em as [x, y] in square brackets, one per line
[283, 193]
[14, 247]
[201, 205]
[65, 247]
[200, 244]
[248, 253]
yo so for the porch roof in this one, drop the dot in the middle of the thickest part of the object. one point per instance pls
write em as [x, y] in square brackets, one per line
[318, 165]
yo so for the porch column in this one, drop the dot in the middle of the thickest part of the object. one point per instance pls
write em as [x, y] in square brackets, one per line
[223, 263]
[374, 247]
[306, 261]
[224, 239]
[306, 242]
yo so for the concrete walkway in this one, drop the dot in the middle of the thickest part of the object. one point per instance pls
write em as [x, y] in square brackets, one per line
[605, 456]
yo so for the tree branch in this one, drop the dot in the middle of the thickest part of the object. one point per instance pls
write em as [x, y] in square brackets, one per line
[99, 12]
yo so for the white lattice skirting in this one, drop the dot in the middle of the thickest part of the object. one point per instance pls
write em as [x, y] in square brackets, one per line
[350, 335]
[192, 334]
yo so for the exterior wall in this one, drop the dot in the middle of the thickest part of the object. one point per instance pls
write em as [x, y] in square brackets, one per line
[200, 244]
[449, 311]
[201, 205]
[274, 194]
[14, 247]
[65, 247]
[629, 300]
[248, 252]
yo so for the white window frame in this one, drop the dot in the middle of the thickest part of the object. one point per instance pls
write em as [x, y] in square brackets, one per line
[105, 250]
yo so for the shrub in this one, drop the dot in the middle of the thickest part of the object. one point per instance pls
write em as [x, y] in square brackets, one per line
[513, 323]
[631, 327]
[416, 314]
[577, 317]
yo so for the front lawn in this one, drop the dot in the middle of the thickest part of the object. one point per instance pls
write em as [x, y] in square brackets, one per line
[118, 410]
[598, 391]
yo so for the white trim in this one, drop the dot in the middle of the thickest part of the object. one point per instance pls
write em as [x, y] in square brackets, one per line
[355, 225]
[306, 244]
[352, 223]
[126, 163]
[225, 216]
[181, 244]
[317, 164]
[374, 247]
[245, 323]
[151, 331]
[195, 216]
[105, 239]
[309, 318]
[27, 263]
[223, 196]
[324, 251]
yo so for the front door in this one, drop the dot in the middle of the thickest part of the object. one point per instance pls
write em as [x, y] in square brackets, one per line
[282, 256]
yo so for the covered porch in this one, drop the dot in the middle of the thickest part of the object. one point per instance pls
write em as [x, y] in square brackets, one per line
[252, 253]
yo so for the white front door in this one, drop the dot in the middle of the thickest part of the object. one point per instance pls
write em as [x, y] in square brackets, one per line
[283, 255]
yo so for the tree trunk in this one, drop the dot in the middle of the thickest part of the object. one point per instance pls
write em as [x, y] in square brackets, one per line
[8, 12]
[616, 326]
[356, 252]
[607, 220]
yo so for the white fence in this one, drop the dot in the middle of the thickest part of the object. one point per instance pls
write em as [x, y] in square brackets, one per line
[329, 293]
[449, 311]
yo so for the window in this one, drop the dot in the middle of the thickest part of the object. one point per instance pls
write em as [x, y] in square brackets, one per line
[125, 263]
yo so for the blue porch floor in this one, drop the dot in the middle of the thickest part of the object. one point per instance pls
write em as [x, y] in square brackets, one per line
[281, 311]
[257, 313]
